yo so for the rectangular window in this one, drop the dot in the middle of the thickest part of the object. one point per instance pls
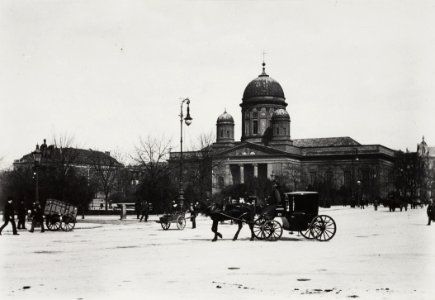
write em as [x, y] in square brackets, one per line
[255, 127]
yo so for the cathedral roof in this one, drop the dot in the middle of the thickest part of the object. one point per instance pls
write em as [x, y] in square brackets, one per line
[325, 142]
[265, 88]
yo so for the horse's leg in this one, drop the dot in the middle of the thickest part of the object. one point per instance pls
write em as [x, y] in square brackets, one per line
[214, 230]
[251, 227]
[240, 224]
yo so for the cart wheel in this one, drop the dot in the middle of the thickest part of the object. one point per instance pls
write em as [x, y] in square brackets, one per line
[53, 223]
[325, 226]
[273, 230]
[166, 225]
[68, 223]
[181, 222]
[258, 229]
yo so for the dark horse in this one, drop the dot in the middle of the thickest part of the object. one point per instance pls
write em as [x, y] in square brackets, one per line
[240, 213]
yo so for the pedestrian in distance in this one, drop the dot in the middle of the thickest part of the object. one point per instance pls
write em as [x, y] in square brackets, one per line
[145, 210]
[138, 208]
[38, 217]
[376, 203]
[193, 213]
[8, 215]
[22, 213]
[430, 212]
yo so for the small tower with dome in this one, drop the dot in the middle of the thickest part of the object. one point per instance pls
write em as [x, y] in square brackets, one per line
[225, 128]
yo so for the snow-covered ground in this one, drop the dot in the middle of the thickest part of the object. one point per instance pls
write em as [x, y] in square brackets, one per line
[374, 255]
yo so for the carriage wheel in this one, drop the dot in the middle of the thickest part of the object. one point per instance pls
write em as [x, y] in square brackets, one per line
[325, 226]
[258, 229]
[310, 233]
[166, 225]
[53, 223]
[68, 223]
[181, 222]
[273, 230]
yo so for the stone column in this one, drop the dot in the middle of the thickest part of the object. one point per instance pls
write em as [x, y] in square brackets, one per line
[242, 174]
[269, 170]
[228, 179]
[255, 170]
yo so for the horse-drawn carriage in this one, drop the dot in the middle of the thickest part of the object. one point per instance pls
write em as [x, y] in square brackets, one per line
[300, 213]
[60, 215]
[178, 218]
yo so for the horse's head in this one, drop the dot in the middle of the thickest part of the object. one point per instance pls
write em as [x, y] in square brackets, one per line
[211, 209]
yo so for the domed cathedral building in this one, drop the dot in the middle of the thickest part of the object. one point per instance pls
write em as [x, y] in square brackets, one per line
[266, 150]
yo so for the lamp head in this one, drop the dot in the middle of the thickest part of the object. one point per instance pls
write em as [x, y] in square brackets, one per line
[37, 154]
[188, 119]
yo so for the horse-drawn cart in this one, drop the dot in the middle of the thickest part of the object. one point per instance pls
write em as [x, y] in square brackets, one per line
[300, 213]
[60, 215]
[177, 218]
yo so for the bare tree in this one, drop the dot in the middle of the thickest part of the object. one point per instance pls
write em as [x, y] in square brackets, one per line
[203, 163]
[105, 172]
[155, 181]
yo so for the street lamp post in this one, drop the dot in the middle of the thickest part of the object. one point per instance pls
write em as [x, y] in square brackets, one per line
[37, 155]
[354, 195]
[188, 121]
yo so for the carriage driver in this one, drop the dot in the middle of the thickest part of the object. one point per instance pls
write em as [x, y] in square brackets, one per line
[274, 201]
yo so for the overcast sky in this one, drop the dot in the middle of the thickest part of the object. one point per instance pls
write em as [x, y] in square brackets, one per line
[110, 72]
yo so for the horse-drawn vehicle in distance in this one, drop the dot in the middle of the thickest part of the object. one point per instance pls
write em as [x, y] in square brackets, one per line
[60, 215]
[300, 212]
[177, 218]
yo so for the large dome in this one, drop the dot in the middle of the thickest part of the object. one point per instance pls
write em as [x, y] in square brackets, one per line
[263, 88]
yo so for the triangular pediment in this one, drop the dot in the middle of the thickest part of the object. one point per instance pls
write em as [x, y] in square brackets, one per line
[249, 149]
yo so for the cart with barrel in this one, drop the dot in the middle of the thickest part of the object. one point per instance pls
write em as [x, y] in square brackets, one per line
[60, 215]
[300, 213]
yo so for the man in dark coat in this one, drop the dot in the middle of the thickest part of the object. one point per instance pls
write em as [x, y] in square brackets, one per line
[22, 213]
[193, 213]
[145, 210]
[430, 212]
[38, 217]
[8, 214]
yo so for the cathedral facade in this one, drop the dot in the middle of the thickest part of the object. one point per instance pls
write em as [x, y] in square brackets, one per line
[267, 151]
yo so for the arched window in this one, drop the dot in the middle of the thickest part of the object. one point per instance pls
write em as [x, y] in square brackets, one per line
[228, 133]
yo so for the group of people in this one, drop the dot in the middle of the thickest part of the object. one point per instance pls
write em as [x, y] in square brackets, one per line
[193, 210]
[36, 214]
[143, 210]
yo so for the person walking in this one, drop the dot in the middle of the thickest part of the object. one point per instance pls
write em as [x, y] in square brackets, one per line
[430, 212]
[38, 217]
[376, 203]
[138, 208]
[193, 213]
[22, 213]
[145, 210]
[8, 215]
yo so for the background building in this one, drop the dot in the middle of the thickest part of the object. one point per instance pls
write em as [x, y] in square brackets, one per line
[340, 168]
